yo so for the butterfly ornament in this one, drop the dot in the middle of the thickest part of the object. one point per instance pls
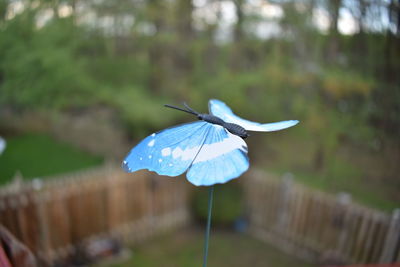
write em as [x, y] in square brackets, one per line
[211, 150]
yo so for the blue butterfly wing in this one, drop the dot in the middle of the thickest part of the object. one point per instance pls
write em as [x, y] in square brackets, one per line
[168, 152]
[221, 110]
[222, 157]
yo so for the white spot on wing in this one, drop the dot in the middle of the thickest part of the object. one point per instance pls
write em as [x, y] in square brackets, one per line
[160, 160]
[170, 164]
[166, 151]
[151, 143]
[153, 135]
[150, 156]
[141, 158]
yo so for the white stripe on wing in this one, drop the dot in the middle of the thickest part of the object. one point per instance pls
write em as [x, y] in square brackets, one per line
[214, 150]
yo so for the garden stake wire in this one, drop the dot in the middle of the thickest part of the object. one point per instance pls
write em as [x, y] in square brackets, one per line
[207, 237]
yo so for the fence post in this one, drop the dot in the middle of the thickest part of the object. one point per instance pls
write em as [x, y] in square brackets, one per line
[284, 212]
[343, 201]
[45, 246]
[392, 239]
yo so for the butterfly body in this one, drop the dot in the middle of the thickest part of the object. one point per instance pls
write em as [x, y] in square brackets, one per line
[211, 150]
[231, 127]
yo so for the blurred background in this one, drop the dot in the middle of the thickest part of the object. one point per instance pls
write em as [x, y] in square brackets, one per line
[81, 82]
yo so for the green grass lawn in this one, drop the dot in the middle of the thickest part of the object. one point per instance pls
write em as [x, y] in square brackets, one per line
[227, 249]
[35, 155]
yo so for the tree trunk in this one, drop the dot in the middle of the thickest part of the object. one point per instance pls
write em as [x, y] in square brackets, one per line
[155, 10]
[184, 27]
[55, 9]
[238, 31]
[184, 21]
[3, 10]
[333, 47]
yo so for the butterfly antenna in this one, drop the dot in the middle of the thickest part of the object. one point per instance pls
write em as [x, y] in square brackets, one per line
[188, 110]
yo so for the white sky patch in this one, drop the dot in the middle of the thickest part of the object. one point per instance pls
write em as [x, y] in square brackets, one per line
[269, 14]
[14, 8]
[108, 24]
[86, 15]
[321, 19]
[263, 9]
[222, 13]
[65, 11]
[347, 23]
[266, 29]
[43, 17]
[199, 3]
[146, 28]
[205, 13]
[228, 14]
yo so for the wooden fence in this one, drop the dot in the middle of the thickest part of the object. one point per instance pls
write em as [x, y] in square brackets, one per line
[54, 216]
[319, 226]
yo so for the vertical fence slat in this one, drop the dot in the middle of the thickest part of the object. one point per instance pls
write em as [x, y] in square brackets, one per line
[44, 250]
[377, 246]
[57, 215]
[389, 253]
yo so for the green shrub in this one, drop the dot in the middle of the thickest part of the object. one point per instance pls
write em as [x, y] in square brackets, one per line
[227, 204]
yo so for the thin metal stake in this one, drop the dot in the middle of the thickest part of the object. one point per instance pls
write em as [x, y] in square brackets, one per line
[210, 200]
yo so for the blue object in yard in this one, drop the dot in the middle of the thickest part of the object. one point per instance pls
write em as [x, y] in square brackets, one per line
[240, 225]
[2, 145]
[211, 150]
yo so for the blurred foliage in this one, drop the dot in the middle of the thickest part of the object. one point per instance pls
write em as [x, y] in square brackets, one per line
[39, 68]
[227, 204]
[132, 57]
[341, 84]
